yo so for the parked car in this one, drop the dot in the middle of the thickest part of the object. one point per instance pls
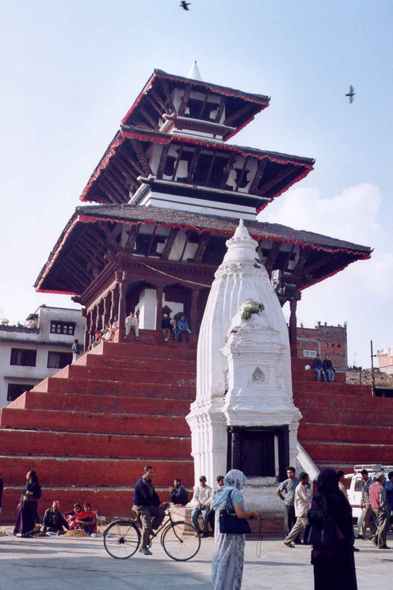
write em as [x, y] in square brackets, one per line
[354, 486]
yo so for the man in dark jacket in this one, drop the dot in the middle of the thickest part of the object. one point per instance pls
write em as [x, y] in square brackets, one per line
[318, 368]
[146, 504]
[328, 368]
[179, 494]
[54, 520]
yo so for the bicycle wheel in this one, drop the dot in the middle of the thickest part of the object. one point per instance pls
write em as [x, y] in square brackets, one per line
[121, 539]
[181, 541]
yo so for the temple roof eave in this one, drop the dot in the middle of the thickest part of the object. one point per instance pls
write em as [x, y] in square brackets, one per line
[48, 279]
[133, 133]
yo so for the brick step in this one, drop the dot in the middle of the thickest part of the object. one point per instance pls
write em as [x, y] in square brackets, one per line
[317, 388]
[348, 452]
[140, 350]
[67, 444]
[126, 362]
[101, 404]
[352, 417]
[64, 421]
[334, 433]
[93, 472]
[302, 375]
[128, 375]
[176, 390]
[326, 400]
[107, 501]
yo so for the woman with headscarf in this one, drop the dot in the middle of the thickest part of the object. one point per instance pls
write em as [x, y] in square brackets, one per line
[228, 558]
[27, 507]
[334, 566]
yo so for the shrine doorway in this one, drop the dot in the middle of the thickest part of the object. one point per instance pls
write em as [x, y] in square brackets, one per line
[258, 451]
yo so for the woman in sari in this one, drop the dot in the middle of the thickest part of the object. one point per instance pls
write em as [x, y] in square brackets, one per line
[228, 558]
[27, 507]
[334, 566]
[86, 520]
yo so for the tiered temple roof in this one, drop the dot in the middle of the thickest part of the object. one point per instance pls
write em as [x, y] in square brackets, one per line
[170, 191]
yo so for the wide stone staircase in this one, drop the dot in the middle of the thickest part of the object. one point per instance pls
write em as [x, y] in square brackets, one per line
[89, 430]
[343, 425]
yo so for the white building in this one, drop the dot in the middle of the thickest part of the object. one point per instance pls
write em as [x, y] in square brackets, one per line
[30, 354]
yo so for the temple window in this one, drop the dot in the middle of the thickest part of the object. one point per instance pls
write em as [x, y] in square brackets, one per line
[23, 357]
[59, 360]
[64, 328]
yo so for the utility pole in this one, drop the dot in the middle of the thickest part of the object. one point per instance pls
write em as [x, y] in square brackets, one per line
[372, 366]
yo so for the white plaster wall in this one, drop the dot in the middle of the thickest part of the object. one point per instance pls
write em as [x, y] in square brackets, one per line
[25, 375]
[147, 307]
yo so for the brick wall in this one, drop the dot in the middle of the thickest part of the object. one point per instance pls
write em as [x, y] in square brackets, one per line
[324, 339]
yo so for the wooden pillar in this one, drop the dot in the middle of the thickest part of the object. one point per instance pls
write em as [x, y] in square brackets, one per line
[113, 311]
[193, 319]
[293, 327]
[87, 329]
[122, 308]
[97, 317]
[104, 312]
[159, 295]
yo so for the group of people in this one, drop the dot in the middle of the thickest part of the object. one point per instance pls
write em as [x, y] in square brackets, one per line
[228, 557]
[377, 507]
[325, 369]
[177, 328]
[80, 517]
[335, 565]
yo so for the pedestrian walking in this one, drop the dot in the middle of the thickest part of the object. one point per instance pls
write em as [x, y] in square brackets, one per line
[334, 565]
[380, 509]
[286, 491]
[302, 506]
[75, 351]
[228, 557]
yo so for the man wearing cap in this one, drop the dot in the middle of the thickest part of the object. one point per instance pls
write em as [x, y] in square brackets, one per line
[380, 508]
[166, 327]
[148, 507]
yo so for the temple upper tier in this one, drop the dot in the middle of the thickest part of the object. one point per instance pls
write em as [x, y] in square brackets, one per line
[171, 152]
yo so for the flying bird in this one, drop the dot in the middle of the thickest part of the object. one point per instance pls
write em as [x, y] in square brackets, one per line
[185, 5]
[351, 94]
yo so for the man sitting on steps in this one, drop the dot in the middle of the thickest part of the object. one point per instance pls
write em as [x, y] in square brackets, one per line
[148, 507]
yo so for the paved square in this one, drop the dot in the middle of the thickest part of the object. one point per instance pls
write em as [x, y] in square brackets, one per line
[83, 564]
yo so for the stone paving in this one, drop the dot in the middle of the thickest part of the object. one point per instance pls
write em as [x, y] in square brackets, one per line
[83, 564]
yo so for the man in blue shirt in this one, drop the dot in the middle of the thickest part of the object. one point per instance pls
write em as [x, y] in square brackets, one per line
[146, 504]
[183, 328]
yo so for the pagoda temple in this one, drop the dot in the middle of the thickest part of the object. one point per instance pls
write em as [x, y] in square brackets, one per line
[151, 232]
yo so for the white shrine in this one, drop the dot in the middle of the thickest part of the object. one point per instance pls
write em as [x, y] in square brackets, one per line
[244, 416]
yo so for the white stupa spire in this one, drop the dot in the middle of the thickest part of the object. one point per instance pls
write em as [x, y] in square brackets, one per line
[194, 72]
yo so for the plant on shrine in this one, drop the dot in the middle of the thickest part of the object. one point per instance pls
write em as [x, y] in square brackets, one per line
[251, 309]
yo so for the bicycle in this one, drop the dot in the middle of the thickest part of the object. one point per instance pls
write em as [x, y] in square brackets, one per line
[179, 539]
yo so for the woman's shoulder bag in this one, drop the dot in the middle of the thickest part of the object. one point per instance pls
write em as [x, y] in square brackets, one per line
[230, 523]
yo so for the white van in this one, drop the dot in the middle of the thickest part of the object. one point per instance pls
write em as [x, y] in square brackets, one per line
[354, 485]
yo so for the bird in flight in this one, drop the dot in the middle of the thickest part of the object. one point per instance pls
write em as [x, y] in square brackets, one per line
[185, 5]
[351, 94]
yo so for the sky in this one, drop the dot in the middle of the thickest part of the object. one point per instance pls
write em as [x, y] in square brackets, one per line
[70, 70]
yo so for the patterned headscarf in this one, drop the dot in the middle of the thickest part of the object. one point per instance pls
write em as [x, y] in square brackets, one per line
[234, 480]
